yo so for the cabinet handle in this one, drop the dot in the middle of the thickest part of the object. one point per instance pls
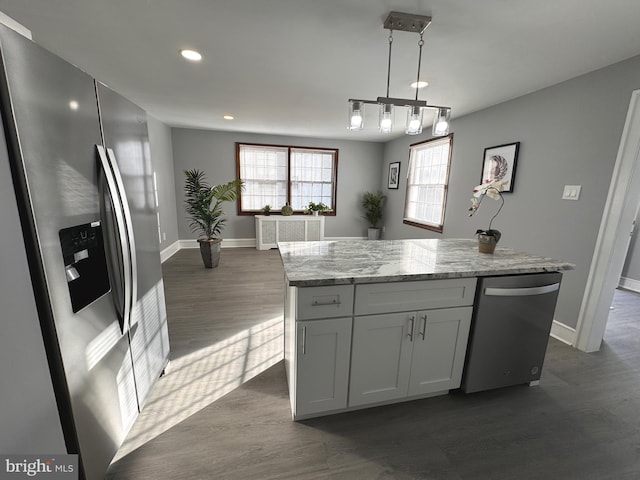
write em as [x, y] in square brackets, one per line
[316, 303]
[304, 340]
[521, 292]
[424, 326]
[412, 319]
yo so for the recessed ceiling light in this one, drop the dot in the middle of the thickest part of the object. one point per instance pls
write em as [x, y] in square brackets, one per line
[73, 105]
[228, 117]
[191, 55]
[420, 84]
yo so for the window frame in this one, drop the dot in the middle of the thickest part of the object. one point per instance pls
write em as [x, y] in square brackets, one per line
[334, 177]
[429, 226]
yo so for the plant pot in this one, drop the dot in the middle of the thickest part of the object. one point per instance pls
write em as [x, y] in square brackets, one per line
[287, 210]
[486, 243]
[210, 251]
[316, 213]
[373, 233]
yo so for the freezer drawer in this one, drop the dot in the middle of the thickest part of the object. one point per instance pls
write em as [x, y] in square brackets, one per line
[510, 330]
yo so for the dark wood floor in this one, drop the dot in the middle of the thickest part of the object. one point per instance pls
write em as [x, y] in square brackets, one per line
[581, 422]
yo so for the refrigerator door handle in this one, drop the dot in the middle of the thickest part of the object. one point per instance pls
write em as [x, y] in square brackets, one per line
[521, 292]
[126, 210]
[120, 260]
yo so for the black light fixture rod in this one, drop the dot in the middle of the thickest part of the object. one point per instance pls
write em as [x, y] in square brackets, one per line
[389, 63]
[420, 44]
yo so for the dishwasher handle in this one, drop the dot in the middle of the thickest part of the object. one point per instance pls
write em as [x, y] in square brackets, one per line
[521, 292]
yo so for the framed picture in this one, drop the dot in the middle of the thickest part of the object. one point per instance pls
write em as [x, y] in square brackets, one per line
[500, 163]
[394, 174]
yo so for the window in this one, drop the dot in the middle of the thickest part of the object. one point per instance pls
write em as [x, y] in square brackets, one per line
[264, 172]
[274, 175]
[427, 183]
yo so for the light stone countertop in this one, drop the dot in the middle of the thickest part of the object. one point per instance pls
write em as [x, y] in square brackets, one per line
[308, 264]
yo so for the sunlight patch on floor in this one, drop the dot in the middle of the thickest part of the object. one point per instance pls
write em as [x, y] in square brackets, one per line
[194, 381]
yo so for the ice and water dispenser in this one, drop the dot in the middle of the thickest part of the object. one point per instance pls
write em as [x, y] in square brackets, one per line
[85, 263]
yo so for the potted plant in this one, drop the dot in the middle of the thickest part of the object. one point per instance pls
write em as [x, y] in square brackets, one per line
[488, 239]
[203, 204]
[287, 210]
[373, 203]
[316, 208]
[266, 210]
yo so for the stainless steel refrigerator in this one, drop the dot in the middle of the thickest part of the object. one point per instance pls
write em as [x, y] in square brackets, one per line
[80, 204]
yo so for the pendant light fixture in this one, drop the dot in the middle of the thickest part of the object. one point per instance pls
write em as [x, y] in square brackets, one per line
[408, 23]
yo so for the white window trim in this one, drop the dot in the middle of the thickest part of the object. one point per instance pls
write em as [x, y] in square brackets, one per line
[412, 150]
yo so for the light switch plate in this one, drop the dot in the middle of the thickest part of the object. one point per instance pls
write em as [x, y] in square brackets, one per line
[571, 192]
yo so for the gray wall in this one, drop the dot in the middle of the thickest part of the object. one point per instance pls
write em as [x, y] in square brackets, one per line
[359, 170]
[631, 268]
[569, 134]
[162, 159]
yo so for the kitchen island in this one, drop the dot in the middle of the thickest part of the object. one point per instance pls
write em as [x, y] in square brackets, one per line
[375, 322]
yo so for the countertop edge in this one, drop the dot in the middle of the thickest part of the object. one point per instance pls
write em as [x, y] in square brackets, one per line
[321, 282]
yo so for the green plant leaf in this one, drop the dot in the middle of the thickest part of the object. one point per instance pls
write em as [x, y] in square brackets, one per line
[373, 203]
[203, 203]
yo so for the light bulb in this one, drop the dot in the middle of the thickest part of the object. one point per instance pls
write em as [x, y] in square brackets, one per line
[441, 122]
[191, 55]
[414, 121]
[386, 118]
[356, 120]
[441, 127]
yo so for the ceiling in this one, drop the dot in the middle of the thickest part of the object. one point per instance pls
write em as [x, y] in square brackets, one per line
[288, 66]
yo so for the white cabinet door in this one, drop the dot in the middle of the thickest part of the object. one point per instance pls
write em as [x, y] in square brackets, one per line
[439, 348]
[322, 348]
[380, 357]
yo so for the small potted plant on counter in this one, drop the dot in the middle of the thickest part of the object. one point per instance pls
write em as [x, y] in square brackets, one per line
[316, 208]
[266, 210]
[488, 239]
[373, 203]
[203, 204]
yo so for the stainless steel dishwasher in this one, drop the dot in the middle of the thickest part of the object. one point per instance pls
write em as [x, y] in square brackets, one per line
[510, 330]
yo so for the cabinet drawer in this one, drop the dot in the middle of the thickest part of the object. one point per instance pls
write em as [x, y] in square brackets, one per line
[325, 302]
[407, 296]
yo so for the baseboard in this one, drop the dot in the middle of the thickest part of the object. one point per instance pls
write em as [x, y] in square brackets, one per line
[168, 252]
[236, 243]
[226, 243]
[563, 333]
[239, 242]
[630, 284]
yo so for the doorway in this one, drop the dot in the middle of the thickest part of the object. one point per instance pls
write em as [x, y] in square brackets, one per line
[614, 235]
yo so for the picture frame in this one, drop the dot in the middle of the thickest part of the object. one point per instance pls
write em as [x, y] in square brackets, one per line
[394, 175]
[499, 163]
